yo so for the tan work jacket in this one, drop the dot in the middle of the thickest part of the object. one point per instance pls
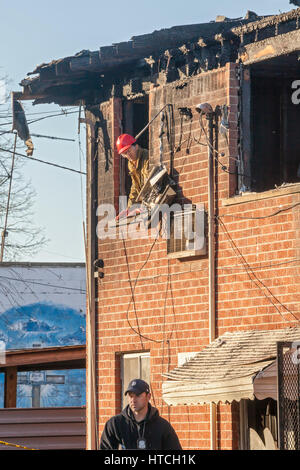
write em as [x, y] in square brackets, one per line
[139, 174]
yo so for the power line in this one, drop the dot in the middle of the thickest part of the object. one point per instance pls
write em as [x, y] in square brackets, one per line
[43, 284]
[43, 161]
[219, 268]
[132, 288]
[65, 113]
[41, 135]
[259, 283]
[40, 113]
[273, 214]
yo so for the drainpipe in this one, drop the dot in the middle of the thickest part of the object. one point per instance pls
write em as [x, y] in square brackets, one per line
[91, 256]
[206, 109]
[211, 259]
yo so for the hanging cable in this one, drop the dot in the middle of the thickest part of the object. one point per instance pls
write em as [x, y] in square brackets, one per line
[132, 288]
[216, 153]
[170, 124]
[42, 136]
[42, 161]
[256, 280]
[273, 214]
[82, 291]
[39, 113]
[64, 113]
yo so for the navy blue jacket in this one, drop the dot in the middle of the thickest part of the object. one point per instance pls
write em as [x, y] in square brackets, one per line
[122, 432]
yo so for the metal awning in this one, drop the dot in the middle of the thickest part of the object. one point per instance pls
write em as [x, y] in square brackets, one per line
[225, 370]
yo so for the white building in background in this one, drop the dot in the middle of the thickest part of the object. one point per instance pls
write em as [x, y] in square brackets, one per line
[43, 305]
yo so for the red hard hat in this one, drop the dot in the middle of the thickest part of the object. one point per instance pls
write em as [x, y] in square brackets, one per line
[124, 141]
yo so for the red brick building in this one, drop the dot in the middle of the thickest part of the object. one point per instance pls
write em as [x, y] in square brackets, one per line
[155, 307]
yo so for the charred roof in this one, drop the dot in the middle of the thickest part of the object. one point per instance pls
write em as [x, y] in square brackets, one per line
[177, 51]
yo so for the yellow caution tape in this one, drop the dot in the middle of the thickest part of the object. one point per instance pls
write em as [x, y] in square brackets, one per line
[15, 445]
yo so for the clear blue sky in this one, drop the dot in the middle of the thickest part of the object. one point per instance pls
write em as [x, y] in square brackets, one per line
[34, 32]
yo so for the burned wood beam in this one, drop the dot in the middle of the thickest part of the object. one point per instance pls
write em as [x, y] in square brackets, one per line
[269, 48]
[225, 53]
[264, 23]
[133, 87]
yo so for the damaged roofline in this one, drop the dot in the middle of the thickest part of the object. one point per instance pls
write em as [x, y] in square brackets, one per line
[177, 53]
[270, 48]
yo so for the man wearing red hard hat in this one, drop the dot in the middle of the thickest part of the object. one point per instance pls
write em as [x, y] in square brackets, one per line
[138, 165]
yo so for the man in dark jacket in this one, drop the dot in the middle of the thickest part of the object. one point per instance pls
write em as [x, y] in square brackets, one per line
[139, 426]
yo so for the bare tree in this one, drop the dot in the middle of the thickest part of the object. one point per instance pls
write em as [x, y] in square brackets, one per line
[17, 197]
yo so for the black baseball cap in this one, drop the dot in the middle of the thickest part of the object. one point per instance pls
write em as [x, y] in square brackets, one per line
[138, 386]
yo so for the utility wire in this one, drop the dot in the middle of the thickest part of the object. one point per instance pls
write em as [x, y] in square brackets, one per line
[43, 284]
[221, 268]
[40, 113]
[273, 214]
[42, 161]
[224, 167]
[258, 282]
[65, 113]
[132, 288]
[41, 135]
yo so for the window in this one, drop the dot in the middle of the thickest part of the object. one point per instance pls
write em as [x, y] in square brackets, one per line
[258, 424]
[36, 389]
[134, 366]
[135, 118]
[270, 117]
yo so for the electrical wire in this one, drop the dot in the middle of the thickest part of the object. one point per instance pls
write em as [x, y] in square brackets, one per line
[257, 281]
[43, 161]
[164, 324]
[220, 268]
[41, 136]
[43, 284]
[273, 214]
[65, 113]
[224, 167]
[39, 113]
[138, 331]
[132, 288]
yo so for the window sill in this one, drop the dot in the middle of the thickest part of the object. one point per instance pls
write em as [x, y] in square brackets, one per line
[249, 197]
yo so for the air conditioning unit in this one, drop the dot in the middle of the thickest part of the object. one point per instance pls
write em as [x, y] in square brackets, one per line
[186, 234]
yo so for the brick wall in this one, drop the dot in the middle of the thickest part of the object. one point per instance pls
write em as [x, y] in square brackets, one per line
[171, 296]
